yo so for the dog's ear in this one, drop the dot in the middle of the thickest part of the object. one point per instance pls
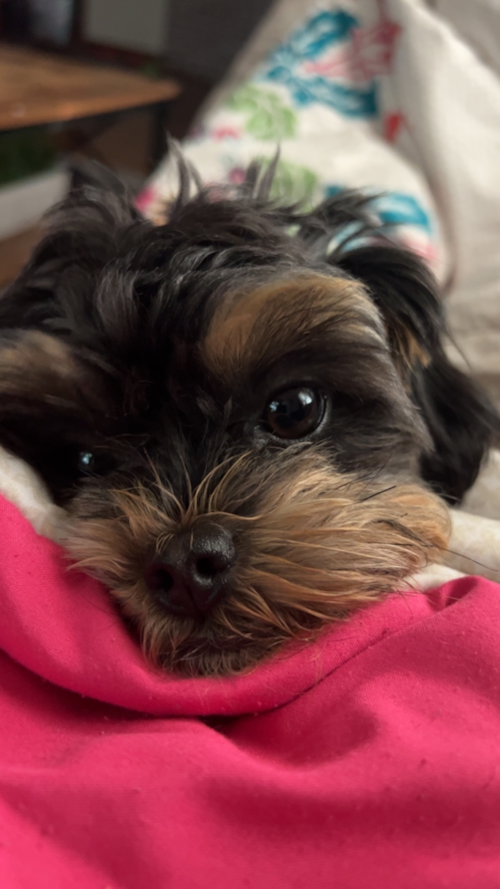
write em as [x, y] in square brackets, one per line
[80, 240]
[458, 415]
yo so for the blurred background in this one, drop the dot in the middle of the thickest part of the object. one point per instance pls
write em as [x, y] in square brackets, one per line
[162, 58]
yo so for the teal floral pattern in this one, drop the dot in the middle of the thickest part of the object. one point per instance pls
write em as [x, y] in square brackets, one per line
[297, 64]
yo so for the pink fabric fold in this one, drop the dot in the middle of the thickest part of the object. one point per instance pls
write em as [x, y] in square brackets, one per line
[370, 758]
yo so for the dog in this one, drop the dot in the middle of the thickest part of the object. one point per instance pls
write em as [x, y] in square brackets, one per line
[250, 419]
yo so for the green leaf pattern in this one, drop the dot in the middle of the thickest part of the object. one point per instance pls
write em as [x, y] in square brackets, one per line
[267, 117]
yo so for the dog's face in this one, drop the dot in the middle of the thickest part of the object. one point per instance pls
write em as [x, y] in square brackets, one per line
[236, 421]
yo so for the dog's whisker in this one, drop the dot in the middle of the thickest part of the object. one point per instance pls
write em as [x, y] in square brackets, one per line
[469, 558]
[378, 493]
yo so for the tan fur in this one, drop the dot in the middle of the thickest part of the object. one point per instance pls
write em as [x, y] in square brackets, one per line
[407, 352]
[321, 545]
[38, 368]
[33, 356]
[285, 311]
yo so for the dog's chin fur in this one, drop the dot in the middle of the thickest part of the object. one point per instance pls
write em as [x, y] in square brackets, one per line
[157, 350]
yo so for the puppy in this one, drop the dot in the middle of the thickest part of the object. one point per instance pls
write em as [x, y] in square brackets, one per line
[251, 423]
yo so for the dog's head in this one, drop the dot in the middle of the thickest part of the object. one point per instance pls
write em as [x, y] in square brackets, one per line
[237, 417]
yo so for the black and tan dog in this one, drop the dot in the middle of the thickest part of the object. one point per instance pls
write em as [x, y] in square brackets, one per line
[248, 426]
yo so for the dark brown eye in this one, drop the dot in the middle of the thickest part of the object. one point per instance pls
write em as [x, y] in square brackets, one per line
[294, 413]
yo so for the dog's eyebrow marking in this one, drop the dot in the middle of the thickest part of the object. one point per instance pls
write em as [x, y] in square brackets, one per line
[280, 317]
[39, 367]
[31, 354]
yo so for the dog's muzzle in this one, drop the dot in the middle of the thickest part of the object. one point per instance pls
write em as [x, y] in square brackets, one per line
[190, 577]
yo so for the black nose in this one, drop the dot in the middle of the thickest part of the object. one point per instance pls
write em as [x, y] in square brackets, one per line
[191, 575]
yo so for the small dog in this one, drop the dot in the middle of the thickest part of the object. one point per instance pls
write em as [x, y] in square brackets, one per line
[250, 422]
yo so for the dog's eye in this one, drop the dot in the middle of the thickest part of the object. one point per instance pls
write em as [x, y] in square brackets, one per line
[92, 463]
[86, 461]
[294, 413]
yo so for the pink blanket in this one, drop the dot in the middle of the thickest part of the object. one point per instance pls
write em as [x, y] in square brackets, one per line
[371, 758]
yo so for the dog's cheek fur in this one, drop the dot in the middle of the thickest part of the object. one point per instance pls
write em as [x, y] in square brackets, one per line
[313, 545]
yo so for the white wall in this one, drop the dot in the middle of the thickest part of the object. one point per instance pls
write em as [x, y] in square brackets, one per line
[138, 25]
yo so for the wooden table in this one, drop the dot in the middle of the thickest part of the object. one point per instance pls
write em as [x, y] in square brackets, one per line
[37, 88]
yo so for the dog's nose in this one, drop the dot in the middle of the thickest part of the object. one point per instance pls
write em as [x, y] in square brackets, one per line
[191, 575]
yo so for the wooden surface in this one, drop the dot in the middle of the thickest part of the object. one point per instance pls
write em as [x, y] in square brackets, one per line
[37, 88]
